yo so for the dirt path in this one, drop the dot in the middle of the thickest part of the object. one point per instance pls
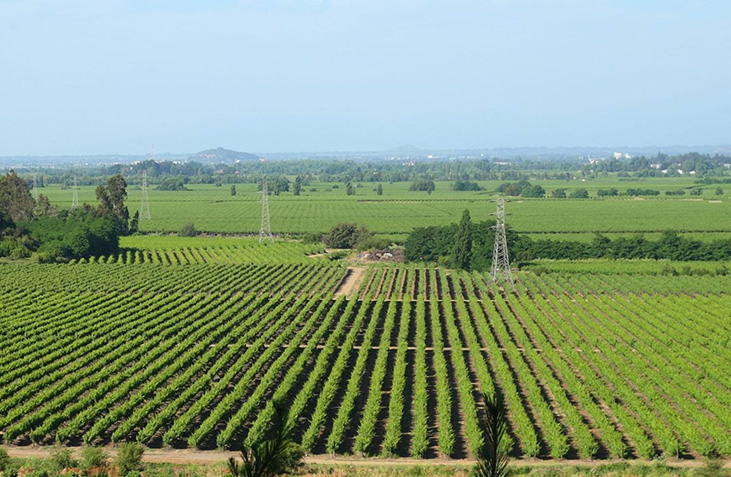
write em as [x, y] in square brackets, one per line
[187, 456]
[351, 281]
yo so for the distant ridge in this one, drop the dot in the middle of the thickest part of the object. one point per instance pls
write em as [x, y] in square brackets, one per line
[220, 154]
[406, 148]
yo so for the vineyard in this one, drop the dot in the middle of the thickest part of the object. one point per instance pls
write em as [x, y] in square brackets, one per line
[398, 211]
[591, 366]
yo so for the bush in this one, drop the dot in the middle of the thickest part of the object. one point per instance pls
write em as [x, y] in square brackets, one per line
[93, 457]
[4, 460]
[347, 235]
[313, 237]
[62, 459]
[188, 230]
[129, 458]
[374, 243]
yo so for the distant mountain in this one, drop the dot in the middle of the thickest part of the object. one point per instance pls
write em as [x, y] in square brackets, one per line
[222, 155]
[406, 148]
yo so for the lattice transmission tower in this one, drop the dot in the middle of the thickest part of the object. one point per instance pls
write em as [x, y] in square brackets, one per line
[500, 270]
[145, 204]
[75, 197]
[265, 231]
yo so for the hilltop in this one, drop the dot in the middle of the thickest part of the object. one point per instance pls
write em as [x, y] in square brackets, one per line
[222, 155]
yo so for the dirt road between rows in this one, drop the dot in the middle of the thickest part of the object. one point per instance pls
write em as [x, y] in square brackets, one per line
[187, 456]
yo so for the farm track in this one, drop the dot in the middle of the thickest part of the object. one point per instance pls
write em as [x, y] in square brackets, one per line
[190, 355]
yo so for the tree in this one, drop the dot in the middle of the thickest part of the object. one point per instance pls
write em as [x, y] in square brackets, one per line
[533, 191]
[346, 235]
[188, 230]
[462, 251]
[111, 201]
[379, 189]
[134, 224]
[15, 197]
[349, 189]
[559, 193]
[44, 208]
[492, 459]
[719, 191]
[579, 194]
[233, 189]
[277, 455]
[297, 185]
[426, 185]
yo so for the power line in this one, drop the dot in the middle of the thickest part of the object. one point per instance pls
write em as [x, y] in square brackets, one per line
[500, 270]
[75, 198]
[265, 231]
[145, 204]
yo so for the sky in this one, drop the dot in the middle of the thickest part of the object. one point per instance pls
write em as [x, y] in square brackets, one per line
[85, 77]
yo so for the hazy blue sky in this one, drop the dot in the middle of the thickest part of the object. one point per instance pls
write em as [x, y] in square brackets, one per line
[105, 76]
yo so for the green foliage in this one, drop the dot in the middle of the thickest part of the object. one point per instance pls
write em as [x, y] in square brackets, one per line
[641, 192]
[275, 455]
[349, 189]
[93, 458]
[373, 243]
[521, 188]
[534, 191]
[111, 198]
[16, 200]
[613, 192]
[297, 185]
[4, 460]
[580, 193]
[559, 193]
[63, 459]
[379, 189]
[423, 185]
[188, 230]
[312, 238]
[462, 250]
[233, 189]
[44, 208]
[129, 458]
[346, 235]
[466, 186]
[78, 234]
[430, 244]
[134, 224]
[492, 460]
[174, 184]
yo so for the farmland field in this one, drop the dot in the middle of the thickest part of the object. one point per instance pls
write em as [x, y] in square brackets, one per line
[398, 211]
[187, 350]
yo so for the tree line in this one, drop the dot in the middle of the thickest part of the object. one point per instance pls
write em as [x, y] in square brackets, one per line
[33, 227]
[469, 246]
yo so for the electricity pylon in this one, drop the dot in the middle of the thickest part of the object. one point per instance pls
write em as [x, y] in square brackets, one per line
[75, 197]
[265, 231]
[500, 270]
[145, 204]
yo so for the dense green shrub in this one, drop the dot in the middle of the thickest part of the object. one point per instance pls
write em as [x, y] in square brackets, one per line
[129, 458]
[188, 230]
[93, 458]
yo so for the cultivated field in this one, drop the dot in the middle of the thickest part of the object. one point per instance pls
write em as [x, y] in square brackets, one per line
[188, 350]
[398, 211]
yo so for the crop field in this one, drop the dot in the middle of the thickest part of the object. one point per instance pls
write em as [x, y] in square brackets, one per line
[398, 211]
[190, 353]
